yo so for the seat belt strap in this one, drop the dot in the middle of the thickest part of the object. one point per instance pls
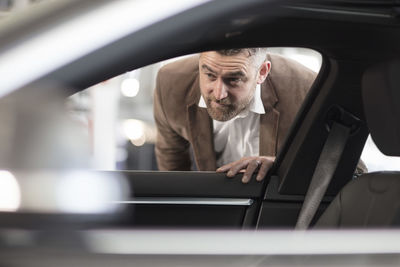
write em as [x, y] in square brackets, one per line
[326, 166]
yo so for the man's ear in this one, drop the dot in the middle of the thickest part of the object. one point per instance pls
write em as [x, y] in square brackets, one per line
[263, 71]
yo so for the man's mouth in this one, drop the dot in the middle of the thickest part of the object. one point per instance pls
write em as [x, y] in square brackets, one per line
[219, 104]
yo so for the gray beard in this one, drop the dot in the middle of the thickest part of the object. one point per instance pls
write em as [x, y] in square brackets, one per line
[229, 111]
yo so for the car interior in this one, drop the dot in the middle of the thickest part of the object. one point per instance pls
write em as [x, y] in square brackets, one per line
[370, 201]
[356, 87]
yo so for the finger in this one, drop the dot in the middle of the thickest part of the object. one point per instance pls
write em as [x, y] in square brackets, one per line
[225, 167]
[251, 167]
[264, 168]
[239, 165]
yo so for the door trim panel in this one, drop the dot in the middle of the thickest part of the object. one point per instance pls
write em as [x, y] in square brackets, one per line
[188, 201]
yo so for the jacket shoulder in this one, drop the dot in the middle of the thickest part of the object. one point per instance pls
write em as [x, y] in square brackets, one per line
[186, 64]
[176, 88]
[283, 67]
[290, 77]
[176, 79]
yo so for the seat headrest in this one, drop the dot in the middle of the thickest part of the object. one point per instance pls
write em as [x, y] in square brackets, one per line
[381, 97]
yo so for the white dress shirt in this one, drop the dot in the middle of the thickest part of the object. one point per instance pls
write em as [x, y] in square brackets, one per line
[239, 137]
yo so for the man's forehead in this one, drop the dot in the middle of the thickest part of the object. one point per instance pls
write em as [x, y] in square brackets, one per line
[221, 63]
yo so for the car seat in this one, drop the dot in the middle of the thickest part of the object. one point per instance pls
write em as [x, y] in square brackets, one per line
[373, 200]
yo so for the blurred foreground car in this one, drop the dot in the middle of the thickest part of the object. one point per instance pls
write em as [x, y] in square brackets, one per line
[57, 206]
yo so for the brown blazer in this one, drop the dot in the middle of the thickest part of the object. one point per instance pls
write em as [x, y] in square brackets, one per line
[181, 124]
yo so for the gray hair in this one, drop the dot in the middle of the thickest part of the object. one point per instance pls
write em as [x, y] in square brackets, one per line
[259, 52]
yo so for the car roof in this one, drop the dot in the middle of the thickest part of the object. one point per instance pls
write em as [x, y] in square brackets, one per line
[334, 28]
[53, 34]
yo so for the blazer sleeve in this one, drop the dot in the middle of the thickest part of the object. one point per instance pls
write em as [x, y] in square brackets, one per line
[171, 149]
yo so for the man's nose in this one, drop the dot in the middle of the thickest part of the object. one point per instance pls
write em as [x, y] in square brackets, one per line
[220, 90]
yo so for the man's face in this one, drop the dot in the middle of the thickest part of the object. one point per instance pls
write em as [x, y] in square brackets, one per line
[227, 83]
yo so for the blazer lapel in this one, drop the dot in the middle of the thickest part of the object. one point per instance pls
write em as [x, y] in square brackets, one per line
[201, 133]
[269, 121]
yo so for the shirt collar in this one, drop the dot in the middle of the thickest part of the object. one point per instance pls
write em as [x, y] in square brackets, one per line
[256, 105]
[202, 103]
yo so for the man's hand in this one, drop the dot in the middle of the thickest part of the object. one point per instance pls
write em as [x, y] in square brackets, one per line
[248, 165]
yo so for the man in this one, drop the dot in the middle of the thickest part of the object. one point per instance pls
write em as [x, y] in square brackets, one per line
[233, 107]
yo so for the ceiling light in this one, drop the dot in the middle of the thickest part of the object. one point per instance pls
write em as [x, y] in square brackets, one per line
[130, 87]
[10, 195]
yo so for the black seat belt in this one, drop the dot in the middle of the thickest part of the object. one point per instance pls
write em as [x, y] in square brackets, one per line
[326, 166]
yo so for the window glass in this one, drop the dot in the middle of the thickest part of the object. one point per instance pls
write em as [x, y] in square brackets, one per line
[118, 113]
[375, 160]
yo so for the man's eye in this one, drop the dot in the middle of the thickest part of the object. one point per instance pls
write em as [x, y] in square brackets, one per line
[234, 80]
[210, 76]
